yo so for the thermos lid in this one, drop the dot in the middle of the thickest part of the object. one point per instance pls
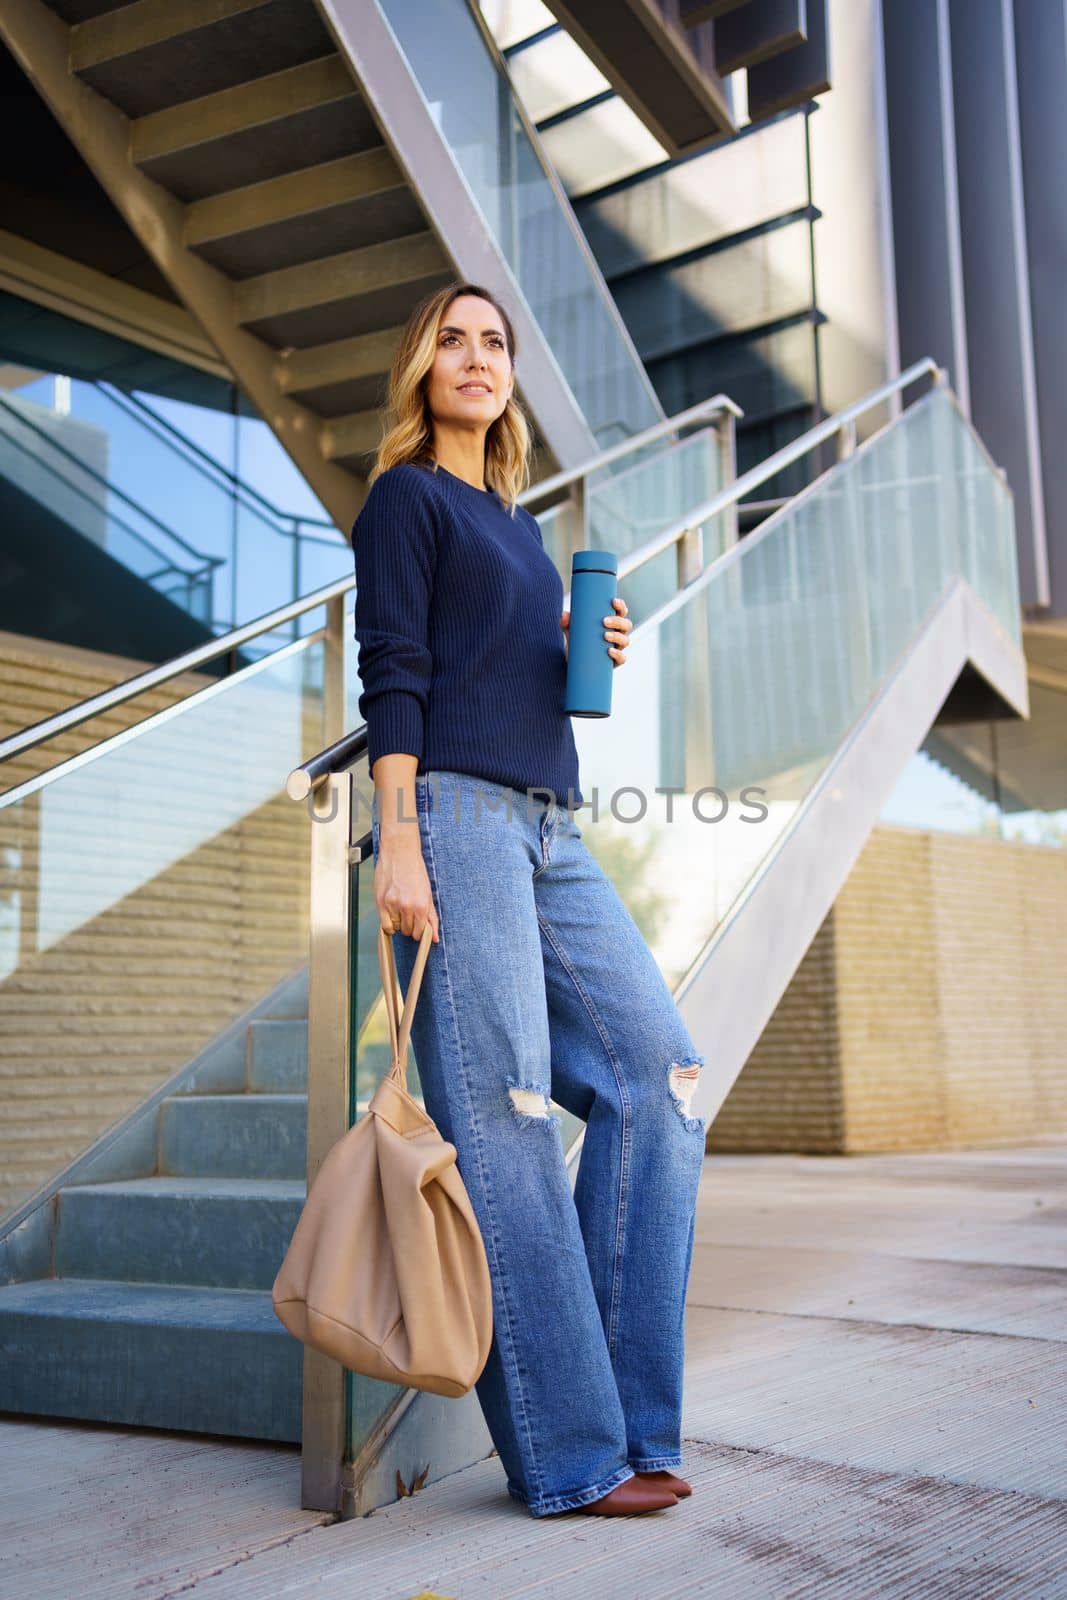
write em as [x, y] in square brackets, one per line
[594, 561]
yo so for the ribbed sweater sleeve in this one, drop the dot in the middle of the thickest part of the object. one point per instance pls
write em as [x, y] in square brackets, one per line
[394, 543]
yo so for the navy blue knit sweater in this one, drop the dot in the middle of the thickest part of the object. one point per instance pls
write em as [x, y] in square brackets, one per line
[461, 656]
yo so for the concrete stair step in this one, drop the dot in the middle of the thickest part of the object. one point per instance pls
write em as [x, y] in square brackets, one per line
[233, 1136]
[228, 1233]
[278, 1056]
[196, 1359]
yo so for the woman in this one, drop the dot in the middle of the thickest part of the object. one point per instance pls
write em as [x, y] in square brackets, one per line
[538, 983]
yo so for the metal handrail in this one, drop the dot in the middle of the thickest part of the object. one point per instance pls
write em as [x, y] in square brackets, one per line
[151, 724]
[38, 732]
[785, 457]
[313, 772]
[715, 406]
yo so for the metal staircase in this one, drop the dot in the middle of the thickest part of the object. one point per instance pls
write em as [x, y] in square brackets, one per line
[283, 163]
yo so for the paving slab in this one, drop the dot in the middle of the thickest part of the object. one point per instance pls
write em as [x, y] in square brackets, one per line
[90, 1511]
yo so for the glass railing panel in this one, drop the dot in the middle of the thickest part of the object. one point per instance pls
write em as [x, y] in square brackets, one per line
[149, 897]
[643, 494]
[740, 697]
[988, 530]
[473, 105]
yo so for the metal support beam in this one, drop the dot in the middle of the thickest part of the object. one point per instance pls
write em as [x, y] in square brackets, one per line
[75, 290]
[129, 28]
[797, 75]
[408, 124]
[651, 65]
[1041, 61]
[925, 196]
[332, 928]
[996, 267]
[726, 443]
[345, 438]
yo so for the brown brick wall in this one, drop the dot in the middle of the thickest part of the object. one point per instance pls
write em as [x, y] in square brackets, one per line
[789, 1095]
[930, 1011]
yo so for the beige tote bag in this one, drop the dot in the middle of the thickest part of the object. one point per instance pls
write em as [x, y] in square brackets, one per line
[386, 1270]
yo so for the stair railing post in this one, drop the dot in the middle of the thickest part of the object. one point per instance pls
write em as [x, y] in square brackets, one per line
[860, 656]
[726, 441]
[696, 686]
[334, 686]
[845, 440]
[331, 934]
[296, 576]
[689, 557]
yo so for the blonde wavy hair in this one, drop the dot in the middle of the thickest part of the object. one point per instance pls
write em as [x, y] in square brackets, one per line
[408, 425]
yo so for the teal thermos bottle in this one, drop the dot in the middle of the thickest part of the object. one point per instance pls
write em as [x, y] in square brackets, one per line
[589, 667]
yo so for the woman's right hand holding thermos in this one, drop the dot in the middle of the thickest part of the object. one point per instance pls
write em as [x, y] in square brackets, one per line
[402, 891]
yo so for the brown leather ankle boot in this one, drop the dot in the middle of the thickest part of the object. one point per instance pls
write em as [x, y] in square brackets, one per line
[669, 1480]
[630, 1499]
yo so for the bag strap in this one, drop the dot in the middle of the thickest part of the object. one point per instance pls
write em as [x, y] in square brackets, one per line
[400, 1027]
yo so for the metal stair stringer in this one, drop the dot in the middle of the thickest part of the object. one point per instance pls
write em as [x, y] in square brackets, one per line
[755, 951]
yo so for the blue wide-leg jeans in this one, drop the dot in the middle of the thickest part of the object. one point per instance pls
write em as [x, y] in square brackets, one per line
[542, 985]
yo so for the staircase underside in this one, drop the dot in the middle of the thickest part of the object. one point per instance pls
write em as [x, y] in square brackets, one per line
[250, 156]
[1024, 767]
